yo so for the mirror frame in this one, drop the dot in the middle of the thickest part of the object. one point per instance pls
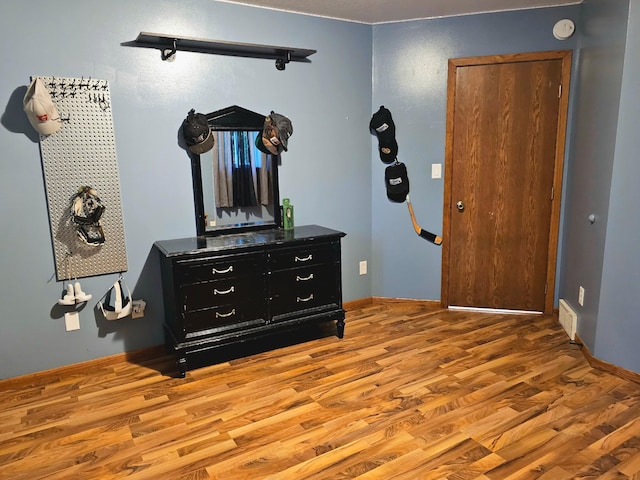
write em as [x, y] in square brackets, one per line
[233, 118]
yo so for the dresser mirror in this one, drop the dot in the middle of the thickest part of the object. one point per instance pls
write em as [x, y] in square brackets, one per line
[235, 185]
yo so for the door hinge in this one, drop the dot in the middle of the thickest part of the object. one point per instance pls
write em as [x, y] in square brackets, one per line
[553, 193]
[546, 287]
[560, 91]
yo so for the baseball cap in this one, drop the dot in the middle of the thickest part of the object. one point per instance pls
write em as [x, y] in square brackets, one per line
[382, 125]
[86, 206]
[276, 132]
[397, 182]
[197, 132]
[41, 112]
[86, 212]
[260, 145]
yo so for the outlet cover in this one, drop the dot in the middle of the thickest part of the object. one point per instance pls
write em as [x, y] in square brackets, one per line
[581, 296]
[363, 267]
[137, 310]
[72, 321]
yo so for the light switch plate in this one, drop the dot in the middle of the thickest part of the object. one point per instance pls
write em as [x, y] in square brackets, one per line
[436, 170]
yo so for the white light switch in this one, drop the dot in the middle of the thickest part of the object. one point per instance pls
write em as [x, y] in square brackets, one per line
[436, 170]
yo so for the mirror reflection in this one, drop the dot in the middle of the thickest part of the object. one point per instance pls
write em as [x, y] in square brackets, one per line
[237, 180]
[235, 183]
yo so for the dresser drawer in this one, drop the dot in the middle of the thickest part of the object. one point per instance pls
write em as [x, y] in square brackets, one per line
[207, 269]
[304, 256]
[223, 318]
[230, 291]
[304, 288]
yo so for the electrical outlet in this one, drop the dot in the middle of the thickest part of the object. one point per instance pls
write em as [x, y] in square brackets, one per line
[363, 267]
[581, 296]
[137, 309]
[72, 321]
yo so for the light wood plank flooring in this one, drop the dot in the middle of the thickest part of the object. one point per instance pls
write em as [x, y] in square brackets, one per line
[409, 393]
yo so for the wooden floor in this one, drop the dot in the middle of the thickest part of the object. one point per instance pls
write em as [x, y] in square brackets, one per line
[407, 394]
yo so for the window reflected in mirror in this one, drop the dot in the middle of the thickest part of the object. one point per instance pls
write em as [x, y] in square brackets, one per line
[237, 180]
[235, 184]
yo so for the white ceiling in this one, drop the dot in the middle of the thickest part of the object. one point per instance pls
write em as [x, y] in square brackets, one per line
[384, 11]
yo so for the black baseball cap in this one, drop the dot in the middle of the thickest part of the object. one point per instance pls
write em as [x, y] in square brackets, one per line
[382, 126]
[397, 182]
[197, 133]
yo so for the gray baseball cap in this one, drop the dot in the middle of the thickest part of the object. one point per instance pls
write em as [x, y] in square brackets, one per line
[276, 132]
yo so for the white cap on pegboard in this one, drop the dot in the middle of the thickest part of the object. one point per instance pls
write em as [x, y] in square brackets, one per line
[41, 112]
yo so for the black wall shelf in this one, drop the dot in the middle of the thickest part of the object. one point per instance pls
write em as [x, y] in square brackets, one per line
[169, 44]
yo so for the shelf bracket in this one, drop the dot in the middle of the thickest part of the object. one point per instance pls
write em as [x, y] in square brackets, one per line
[281, 63]
[167, 53]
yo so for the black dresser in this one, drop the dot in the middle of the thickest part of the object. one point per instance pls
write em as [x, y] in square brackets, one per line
[227, 294]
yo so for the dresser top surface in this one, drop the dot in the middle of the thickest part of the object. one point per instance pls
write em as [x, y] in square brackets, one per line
[259, 238]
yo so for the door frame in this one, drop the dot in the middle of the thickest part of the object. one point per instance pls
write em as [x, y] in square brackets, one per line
[552, 253]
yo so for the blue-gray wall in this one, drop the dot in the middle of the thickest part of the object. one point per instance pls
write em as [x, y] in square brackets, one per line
[410, 79]
[600, 54]
[332, 171]
[618, 330]
[326, 171]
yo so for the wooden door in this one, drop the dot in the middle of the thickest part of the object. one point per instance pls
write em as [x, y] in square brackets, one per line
[506, 121]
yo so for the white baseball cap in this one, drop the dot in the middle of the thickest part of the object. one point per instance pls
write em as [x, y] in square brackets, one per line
[40, 110]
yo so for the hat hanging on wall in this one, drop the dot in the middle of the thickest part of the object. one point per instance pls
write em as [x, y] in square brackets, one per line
[382, 125]
[116, 303]
[86, 213]
[41, 112]
[197, 133]
[397, 182]
[275, 134]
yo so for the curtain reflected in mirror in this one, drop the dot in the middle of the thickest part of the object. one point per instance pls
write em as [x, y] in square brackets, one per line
[237, 180]
[242, 177]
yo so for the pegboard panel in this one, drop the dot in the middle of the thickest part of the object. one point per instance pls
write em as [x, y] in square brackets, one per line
[83, 153]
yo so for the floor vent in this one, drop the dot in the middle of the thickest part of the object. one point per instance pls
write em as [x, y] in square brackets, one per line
[568, 319]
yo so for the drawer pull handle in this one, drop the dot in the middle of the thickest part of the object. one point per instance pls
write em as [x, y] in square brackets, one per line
[304, 279]
[214, 270]
[226, 315]
[305, 259]
[223, 292]
[308, 299]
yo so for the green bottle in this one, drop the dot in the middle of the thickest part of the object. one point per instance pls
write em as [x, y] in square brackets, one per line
[287, 214]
